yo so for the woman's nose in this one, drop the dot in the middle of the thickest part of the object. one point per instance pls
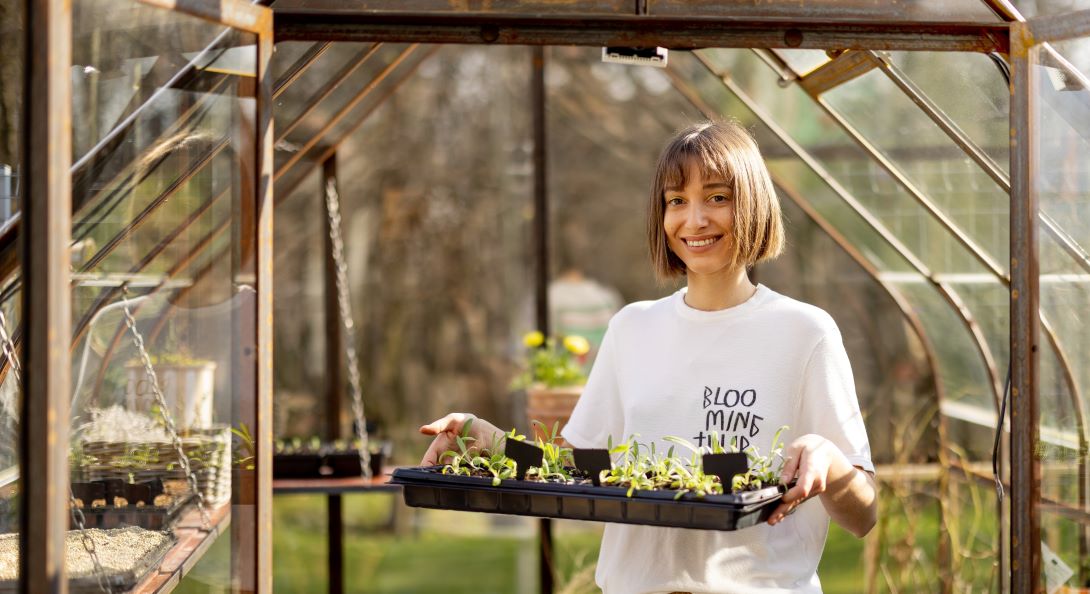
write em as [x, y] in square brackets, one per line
[698, 217]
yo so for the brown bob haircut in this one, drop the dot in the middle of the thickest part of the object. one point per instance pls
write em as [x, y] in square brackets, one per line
[724, 150]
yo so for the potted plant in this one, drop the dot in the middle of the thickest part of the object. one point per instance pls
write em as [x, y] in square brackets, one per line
[187, 386]
[553, 378]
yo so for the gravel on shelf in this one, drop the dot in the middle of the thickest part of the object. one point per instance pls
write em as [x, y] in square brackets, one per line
[119, 550]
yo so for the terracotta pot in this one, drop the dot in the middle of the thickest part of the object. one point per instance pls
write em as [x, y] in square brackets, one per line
[550, 405]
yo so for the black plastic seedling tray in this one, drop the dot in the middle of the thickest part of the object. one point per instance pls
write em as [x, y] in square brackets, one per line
[427, 487]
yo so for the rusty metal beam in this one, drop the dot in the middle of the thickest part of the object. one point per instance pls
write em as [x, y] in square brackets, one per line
[252, 18]
[679, 32]
[1025, 322]
[1059, 27]
[845, 67]
[300, 66]
[46, 144]
[327, 89]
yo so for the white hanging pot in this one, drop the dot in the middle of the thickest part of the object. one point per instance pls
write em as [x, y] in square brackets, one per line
[187, 389]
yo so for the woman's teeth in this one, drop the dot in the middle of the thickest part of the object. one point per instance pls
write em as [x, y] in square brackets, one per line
[701, 242]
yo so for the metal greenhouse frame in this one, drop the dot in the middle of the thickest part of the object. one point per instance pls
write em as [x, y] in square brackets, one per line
[856, 33]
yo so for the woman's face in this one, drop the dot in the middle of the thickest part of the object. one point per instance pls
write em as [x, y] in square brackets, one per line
[699, 223]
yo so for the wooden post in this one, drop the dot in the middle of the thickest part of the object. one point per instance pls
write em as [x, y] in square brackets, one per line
[47, 210]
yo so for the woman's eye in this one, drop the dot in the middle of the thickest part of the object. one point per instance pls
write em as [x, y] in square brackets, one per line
[719, 198]
[673, 201]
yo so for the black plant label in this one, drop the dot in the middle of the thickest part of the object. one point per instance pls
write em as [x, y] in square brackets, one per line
[593, 461]
[725, 466]
[524, 455]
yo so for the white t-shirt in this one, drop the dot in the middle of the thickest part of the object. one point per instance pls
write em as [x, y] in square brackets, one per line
[668, 369]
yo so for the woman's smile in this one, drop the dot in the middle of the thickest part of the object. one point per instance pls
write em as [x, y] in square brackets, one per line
[699, 245]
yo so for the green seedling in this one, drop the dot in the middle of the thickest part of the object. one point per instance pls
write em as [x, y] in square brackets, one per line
[556, 461]
[470, 460]
[762, 470]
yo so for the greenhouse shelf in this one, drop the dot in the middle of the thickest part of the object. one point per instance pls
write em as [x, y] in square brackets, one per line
[193, 541]
[427, 487]
[335, 485]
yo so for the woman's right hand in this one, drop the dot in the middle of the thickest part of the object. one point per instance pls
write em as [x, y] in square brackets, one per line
[447, 429]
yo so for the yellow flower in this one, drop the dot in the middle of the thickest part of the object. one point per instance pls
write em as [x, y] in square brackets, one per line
[533, 339]
[577, 345]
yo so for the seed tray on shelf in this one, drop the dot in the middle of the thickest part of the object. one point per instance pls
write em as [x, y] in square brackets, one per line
[335, 464]
[143, 551]
[428, 487]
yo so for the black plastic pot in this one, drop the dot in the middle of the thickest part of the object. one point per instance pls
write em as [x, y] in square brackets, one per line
[147, 515]
[298, 465]
[428, 487]
[331, 463]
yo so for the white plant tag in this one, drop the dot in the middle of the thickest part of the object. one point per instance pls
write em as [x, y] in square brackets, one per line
[1056, 571]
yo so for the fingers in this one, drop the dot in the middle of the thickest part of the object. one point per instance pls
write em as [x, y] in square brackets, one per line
[438, 446]
[781, 512]
[790, 464]
[452, 423]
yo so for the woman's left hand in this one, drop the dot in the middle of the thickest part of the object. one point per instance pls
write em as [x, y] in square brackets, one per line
[816, 463]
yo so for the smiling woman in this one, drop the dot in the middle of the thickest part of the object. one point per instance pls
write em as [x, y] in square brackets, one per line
[721, 360]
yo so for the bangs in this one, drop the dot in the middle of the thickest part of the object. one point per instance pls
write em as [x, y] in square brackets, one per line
[693, 151]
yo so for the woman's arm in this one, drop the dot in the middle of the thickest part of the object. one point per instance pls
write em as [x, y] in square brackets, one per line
[849, 494]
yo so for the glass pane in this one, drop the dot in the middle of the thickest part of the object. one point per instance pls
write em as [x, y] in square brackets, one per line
[115, 75]
[358, 93]
[968, 410]
[435, 231]
[163, 297]
[803, 61]
[931, 161]
[1062, 186]
[971, 90]
[12, 65]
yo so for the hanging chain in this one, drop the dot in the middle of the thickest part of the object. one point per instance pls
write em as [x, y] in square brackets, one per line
[333, 207]
[8, 346]
[164, 410]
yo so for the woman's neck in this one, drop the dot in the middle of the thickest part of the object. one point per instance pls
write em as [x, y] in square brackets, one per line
[718, 291]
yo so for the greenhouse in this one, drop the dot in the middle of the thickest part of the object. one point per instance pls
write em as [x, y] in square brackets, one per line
[248, 249]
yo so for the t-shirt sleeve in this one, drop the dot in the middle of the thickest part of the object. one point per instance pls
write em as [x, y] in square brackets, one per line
[829, 406]
[598, 414]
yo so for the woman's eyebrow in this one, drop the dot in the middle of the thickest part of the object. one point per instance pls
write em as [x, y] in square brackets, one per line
[717, 185]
